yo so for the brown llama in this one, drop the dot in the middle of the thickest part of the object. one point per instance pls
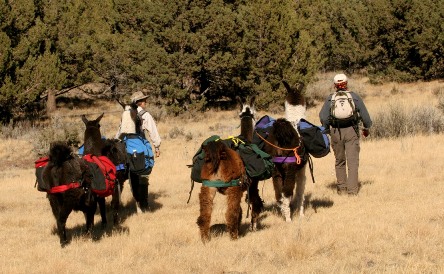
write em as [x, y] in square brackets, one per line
[224, 172]
[95, 145]
[285, 145]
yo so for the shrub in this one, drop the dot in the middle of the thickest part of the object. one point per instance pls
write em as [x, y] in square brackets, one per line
[175, 132]
[397, 121]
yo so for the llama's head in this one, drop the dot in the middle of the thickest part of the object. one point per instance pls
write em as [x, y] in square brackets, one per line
[295, 105]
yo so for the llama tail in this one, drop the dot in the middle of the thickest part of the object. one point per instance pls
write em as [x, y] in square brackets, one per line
[59, 152]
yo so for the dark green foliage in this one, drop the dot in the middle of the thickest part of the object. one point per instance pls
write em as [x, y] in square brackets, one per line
[191, 55]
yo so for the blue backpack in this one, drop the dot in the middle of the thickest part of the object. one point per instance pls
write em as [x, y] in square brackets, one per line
[139, 153]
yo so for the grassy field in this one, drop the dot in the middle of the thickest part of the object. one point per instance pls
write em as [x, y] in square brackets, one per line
[394, 225]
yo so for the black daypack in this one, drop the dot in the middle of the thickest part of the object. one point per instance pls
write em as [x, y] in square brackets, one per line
[316, 141]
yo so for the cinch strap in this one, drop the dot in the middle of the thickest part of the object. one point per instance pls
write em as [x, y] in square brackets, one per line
[220, 183]
[63, 188]
[282, 159]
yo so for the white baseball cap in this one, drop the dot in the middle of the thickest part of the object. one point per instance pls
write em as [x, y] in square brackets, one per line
[340, 78]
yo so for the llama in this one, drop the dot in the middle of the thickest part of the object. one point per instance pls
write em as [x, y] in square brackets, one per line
[95, 145]
[224, 172]
[285, 145]
[69, 184]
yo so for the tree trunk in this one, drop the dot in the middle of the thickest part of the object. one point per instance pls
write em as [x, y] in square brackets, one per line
[50, 103]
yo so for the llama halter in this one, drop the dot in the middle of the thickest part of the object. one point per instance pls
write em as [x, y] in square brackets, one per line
[295, 151]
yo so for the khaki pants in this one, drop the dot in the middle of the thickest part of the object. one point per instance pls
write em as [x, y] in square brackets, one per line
[345, 144]
[139, 188]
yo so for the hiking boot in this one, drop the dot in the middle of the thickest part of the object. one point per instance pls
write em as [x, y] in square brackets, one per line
[341, 191]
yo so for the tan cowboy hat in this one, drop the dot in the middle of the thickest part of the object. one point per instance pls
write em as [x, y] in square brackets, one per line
[137, 96]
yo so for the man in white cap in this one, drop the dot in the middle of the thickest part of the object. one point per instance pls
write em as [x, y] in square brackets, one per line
[340, 115]
[139, 183]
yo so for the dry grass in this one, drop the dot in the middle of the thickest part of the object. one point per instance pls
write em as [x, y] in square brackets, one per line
[395, 225]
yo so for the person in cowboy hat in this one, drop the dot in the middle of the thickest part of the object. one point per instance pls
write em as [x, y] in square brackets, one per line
[140, 183]
[345, 136]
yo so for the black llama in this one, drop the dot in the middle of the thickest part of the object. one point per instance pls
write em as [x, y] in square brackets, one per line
[69, 181]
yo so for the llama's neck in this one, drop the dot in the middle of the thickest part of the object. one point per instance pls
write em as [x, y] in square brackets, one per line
[294, 113]
[247, 128]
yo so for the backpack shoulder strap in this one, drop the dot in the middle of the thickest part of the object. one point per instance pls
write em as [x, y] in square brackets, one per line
[141, 113]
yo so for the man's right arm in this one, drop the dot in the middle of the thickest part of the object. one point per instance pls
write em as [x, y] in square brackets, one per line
[324, 114]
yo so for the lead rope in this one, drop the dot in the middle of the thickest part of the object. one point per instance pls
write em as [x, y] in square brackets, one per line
[191, 191]
[295, 150]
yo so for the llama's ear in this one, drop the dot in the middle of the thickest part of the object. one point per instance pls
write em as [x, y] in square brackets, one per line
[100, 117]
[84, 119]
[239, 101]
[252, 100]
[299, 87]
[120, 103]
[287, 86]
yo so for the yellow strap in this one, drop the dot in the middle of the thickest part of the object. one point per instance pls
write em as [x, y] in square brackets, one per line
[235, 140]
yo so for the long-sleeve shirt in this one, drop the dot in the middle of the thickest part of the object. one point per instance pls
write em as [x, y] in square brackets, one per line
[149, 126]
[324, 114]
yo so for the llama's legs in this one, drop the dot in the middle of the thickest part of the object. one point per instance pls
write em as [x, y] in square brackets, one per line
[277, 185]
[143, 192]
[300, 189]
[61, 225]
[256, 202]
[139, 187]
[233, 214]
[206, 197]
[289, 182]
[102, 208]
[60, 215]
[115, 203]
[283, 190]
[89, 217]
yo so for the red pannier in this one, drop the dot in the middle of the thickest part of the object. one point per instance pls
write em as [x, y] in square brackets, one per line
[39, 166]
[104, 174]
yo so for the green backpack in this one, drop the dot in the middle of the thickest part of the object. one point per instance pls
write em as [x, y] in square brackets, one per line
[199, 160]
[258, 164]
